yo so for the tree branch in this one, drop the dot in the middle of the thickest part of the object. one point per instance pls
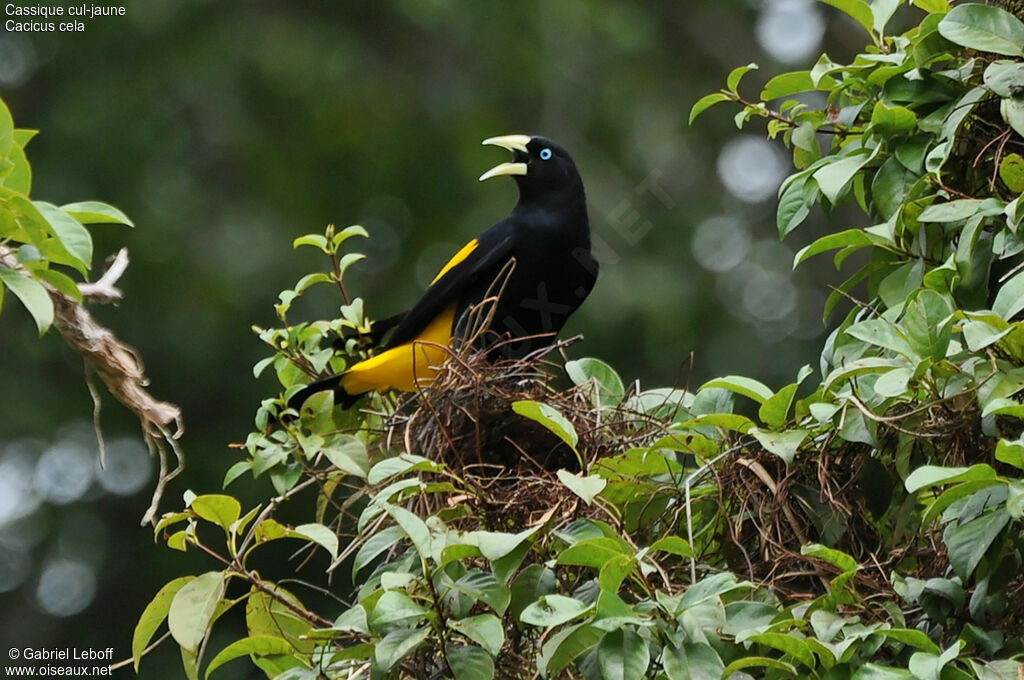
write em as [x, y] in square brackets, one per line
[118, 365]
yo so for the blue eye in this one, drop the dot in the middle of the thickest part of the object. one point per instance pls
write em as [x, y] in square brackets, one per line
[545, 154]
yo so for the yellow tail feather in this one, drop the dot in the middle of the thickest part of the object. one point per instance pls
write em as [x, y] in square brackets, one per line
[407, 367]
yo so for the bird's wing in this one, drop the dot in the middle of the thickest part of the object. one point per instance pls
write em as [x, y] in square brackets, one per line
[479, 258]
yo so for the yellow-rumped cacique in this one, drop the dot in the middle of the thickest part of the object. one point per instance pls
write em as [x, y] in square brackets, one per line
[534, 268]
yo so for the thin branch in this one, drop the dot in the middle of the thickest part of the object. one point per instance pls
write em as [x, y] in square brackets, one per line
[104, 289]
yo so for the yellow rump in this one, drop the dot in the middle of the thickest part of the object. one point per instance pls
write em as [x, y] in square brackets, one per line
[413, 364]
[406, 367]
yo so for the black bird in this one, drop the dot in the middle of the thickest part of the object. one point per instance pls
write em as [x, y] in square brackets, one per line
[535, 265]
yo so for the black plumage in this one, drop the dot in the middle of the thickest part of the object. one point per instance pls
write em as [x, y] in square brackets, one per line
[534, 267]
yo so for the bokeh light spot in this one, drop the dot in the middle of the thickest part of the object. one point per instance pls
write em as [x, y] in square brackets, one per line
[751, 168]
[720, 243]
[64, 472]
[66, 587]
[127, 469]
[790, 30]
[17, 494]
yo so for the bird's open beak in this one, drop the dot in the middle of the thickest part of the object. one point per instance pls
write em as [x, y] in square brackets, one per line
[512, 143]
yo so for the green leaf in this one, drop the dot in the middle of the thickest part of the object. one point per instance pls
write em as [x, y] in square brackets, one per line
[834, 177]
[692, 661]
[1012, 110]
[348, 232]
[843, 239]
[883, 11]
[1015, 499]
[1011, 171]
[348, 453]
[471, 663]
[1011, 453]
[395, 607]
[881, 333]
[760, 661]
[259, 645]
[795, 205]
[862, 366]
[374, 545]
[190, 664]
[894, 383]
[728, 421]
[553, 610]
[485, 587]
[836, 557]
[153, 615]
[96, 212]
[269, 615]
[931, 475]
[592, 552]
[193, 607]
[610, 387]
[397, 644]
[786, 84]
[566, 646]
[414, 527]
[22, 136]
[584, 487]
[933, 6]
[73, 236]
[674, 545]
[915, 638]
[6, 129]
[1005, 78]
[967, 543]
[614, 572]
[32, 294]
[733, 81]
[783, 444]
[983, 28]
[951, 211]
[532, 582]
[623, 655]
[928, 324]
[320, 535]
[892, 120]
[706, 102]
[891, 186]
[859, 10]
[773, 411]
[483, 629]
[1010, 298]
[217, 508]
[397, 465]
[748, 387]
[870, 671]
[787, 644]
[62, 282]
[314, 240]
[549, 417]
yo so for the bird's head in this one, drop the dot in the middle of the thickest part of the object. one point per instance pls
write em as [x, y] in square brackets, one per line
[539, 166]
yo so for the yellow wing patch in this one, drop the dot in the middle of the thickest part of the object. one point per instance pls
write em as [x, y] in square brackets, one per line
[409, 366]
[456, 259]
[413, 364]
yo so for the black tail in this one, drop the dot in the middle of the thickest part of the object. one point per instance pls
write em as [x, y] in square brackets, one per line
[331, 382]
[375, 338]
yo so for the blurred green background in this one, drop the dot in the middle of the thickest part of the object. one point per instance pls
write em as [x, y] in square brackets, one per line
[226, 129]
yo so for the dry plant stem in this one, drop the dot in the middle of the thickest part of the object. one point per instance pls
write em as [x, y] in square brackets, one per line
[118, 365]
[267, 511]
